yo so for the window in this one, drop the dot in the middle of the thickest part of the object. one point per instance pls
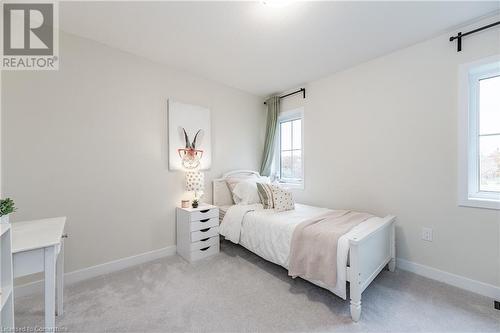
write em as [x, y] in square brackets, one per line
[289, 161]
[479, 134]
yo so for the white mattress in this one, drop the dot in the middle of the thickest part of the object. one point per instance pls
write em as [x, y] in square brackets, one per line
[269, 234]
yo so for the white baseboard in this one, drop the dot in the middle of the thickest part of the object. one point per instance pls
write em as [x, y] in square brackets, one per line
[101, 269]
[461, 282]
[458, 281]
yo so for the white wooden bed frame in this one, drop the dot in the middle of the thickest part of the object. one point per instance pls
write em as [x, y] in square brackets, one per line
[369, 253]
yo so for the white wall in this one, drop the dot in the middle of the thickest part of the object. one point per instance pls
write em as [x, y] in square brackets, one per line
[88, 142]
[382, 137]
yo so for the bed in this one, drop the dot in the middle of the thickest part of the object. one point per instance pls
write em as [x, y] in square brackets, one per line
[362, 253]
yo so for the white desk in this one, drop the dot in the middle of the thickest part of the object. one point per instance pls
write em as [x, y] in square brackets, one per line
[37, 246]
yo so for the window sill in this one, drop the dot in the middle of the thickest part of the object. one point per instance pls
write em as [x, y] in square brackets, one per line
[292, 186]
[479, 203]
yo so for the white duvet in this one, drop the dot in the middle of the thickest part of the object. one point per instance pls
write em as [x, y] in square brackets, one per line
[269, 235]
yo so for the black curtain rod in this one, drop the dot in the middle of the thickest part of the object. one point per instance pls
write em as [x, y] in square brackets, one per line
[460, 35]
[301, 90]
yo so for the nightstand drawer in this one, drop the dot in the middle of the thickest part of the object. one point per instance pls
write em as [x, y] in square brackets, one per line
[204, 214]
[204, 243]
[204, 252]
[203, 224]
[204, 233]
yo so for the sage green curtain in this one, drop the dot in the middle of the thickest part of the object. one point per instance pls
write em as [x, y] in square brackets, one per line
[273, 110]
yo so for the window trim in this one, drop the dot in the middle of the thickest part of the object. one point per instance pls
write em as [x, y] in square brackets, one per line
[285, 116]
[469, 194]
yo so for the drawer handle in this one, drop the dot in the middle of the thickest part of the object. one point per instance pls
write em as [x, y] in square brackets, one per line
[204, 239]
[205, 220]
[205, 248]
[204, 211]
[205, 230]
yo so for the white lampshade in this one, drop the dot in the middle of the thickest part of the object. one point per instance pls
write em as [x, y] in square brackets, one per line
[195, 181]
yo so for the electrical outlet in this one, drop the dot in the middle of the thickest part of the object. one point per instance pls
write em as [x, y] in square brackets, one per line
[427, 234]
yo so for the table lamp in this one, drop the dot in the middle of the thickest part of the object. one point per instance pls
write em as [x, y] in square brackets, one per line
[195, 182]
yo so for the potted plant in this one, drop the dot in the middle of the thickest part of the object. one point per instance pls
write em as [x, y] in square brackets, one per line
[195, 203]
[6, 207]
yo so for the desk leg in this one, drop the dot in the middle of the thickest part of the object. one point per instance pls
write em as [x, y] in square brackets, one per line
[50, 287]
[60, 281]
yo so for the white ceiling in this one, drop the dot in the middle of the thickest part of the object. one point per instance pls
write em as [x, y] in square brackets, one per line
[261, 48]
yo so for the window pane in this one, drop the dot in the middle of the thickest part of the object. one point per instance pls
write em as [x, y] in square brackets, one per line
[297, 164]
[297, 134]
[286, 135]
[489, 163]
[489, 105]
[286, 164]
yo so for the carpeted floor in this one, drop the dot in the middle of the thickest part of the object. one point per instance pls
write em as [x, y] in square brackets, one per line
[236, 291]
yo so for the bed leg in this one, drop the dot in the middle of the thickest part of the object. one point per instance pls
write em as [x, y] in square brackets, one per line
[355, 309]
[355, 283]
[392, 263]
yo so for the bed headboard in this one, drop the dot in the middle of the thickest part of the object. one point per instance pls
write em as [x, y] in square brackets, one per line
[221, 195]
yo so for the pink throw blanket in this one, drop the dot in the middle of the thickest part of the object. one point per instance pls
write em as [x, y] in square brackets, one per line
[313, 251]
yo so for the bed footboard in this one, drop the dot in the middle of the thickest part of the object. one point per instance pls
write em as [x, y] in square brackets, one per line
[369, 253]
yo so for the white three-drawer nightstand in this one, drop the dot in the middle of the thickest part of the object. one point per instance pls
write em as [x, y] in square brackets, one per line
[197, 232]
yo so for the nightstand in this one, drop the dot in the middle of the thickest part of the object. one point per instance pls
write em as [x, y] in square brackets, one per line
[197, 232]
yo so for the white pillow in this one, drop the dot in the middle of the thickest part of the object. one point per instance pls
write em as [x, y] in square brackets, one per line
[245, 193]
[233, 181]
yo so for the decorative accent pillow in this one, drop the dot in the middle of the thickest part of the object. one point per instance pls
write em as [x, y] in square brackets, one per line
[266, 195]
[274, 196]
[283, 199]
[245, 193]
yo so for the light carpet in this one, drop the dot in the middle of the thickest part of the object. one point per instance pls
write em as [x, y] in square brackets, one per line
[236, 291]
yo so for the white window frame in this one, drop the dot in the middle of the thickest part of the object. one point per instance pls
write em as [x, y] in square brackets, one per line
[284, 117]
[469, 193]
